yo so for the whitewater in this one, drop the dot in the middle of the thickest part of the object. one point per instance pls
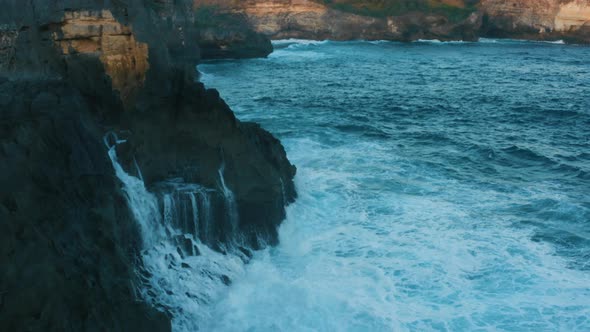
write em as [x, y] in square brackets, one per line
[442, 187]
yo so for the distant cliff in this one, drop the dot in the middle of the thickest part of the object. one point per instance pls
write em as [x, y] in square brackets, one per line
[539, 19]
[407, 20]
[72, 71]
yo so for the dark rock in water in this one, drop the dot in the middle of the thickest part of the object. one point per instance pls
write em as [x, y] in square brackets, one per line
[246, 252]
[72, 70]
[225, 279]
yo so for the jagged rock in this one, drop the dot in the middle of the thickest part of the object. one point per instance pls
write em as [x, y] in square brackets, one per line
[407, 20]
[68, 243]
[306, 19]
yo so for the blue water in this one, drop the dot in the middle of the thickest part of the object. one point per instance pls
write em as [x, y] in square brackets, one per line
[443, 187]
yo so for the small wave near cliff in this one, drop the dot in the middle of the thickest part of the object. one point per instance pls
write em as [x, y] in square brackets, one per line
[180, 274]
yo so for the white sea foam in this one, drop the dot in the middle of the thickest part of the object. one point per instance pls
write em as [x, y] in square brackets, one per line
[402, 229]
[510, 40]
[281, 42]
[394, 262]
[175, 280]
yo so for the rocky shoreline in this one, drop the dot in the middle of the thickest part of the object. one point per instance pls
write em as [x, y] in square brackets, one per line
[401, 20]
[70, 72]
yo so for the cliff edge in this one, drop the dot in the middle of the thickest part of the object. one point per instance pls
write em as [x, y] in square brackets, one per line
[72, 74]
[407, 20]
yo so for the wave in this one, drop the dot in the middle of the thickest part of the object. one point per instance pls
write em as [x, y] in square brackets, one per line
[515, 41]
[519, 154]
[560, 42]
[294, 41]
[378, 42]
[440, 42]
[204, 76]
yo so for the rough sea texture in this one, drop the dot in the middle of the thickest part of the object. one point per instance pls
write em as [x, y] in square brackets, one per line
[442, 187]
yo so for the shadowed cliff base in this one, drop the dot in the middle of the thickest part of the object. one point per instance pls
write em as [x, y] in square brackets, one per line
[225, 35]
[71, 72]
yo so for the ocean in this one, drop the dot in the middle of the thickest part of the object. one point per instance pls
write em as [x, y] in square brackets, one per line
[442, 187]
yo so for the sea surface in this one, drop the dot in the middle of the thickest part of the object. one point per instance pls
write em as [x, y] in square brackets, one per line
[442, 187]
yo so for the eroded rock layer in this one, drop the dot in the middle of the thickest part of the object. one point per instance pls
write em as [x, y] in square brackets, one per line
[411, 20]
[98, 33]
[543, 19]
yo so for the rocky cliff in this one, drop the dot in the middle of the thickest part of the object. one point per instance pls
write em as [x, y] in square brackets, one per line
[309, 19]
[224, 35]
[72, 71]
[542, 19]
[410, 20]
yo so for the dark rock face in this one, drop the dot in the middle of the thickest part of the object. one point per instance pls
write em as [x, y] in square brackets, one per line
[228, 36]
[68, 243]
[349, 20]
[71, 71]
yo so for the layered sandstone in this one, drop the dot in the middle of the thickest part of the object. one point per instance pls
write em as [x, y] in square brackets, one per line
[99, 34]
[542, 19]
[572, 16]
[534, 19]
[309, 19]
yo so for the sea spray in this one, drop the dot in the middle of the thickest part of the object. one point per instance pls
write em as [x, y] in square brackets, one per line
[180, 274]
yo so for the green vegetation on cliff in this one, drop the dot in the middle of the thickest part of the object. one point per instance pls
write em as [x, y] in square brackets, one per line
[453, 10]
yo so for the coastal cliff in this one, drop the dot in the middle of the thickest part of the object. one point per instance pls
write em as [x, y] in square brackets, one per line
[411, 20]
[226, 35]
[539, 20]
[280, 19]
[74, 76]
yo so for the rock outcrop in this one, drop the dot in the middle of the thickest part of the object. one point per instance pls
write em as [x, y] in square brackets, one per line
[411, 20]
[225, 35]
[125, 60]
[538, 20]
[71, 71]
[307, 19]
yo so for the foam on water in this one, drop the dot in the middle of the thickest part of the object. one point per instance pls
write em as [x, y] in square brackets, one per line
[440, 189]
[179, 274]
[436, 41]
[293, 41]
[507, 41]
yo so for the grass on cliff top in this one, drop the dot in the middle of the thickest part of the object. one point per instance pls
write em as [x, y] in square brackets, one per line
[453, 10]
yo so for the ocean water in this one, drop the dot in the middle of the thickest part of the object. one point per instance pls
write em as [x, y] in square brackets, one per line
[442, 187]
